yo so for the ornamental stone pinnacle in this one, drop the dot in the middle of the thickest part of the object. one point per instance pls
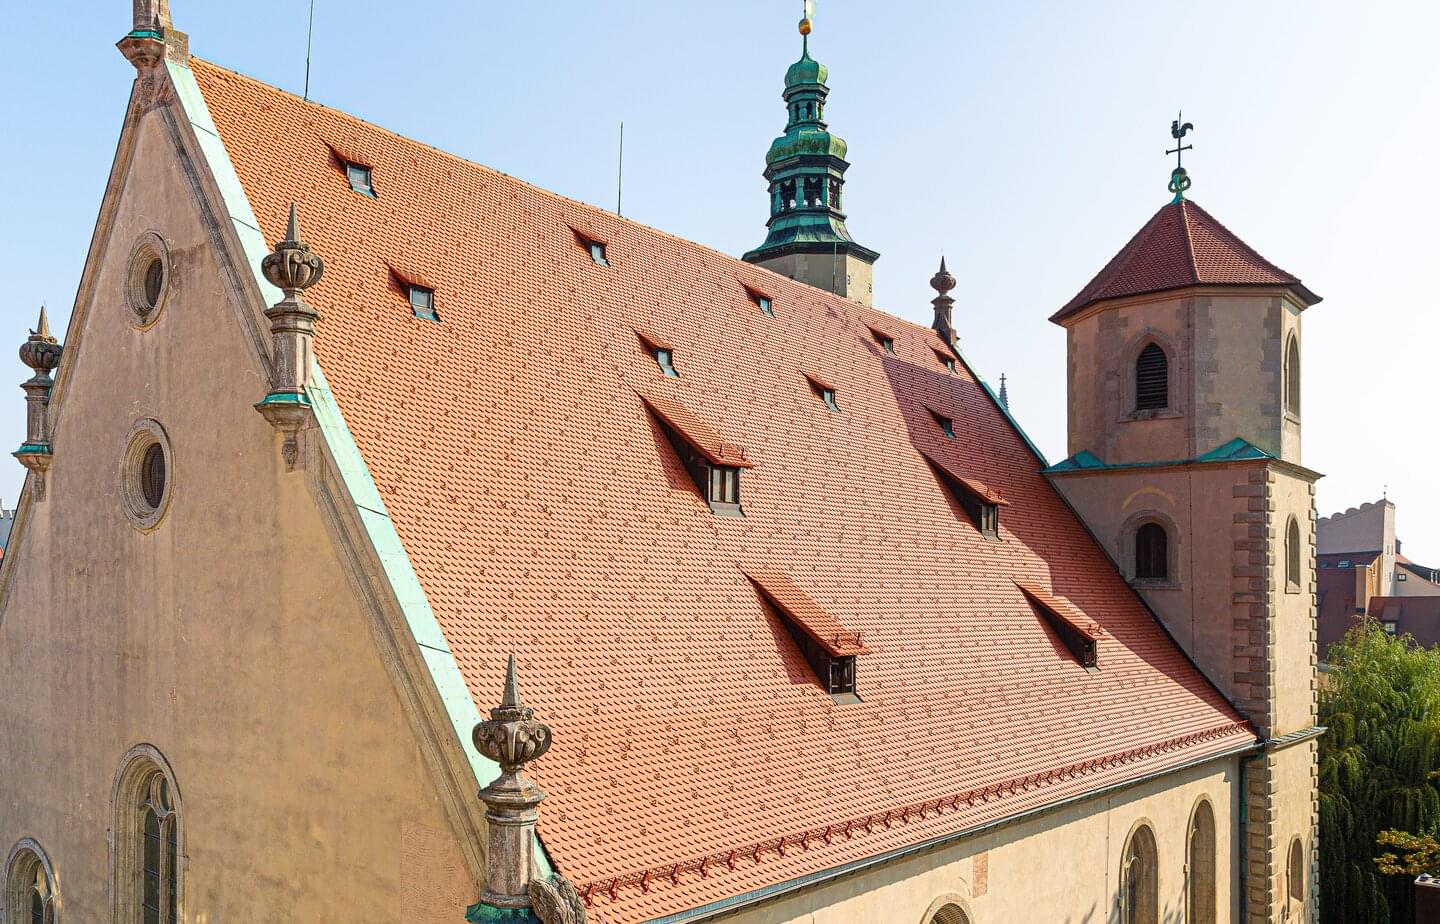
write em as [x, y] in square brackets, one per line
[292, 267]
[41, 352]
[513, 738]
[943, 282]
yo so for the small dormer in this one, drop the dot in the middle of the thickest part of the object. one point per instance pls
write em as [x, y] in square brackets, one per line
[714, 463]
[828, 647]
[980, 502]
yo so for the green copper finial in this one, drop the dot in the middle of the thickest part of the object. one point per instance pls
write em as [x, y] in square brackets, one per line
[1179, 180]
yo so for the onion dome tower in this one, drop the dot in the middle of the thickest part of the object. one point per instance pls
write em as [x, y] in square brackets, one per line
[805, 167]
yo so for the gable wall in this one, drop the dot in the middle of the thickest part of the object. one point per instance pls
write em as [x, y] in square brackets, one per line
[229, 637]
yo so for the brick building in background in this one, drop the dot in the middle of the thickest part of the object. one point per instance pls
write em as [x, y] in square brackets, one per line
[1361, 571]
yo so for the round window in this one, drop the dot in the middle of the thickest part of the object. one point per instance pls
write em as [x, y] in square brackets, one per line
[145, 474]
[152, 475]
[149, 281]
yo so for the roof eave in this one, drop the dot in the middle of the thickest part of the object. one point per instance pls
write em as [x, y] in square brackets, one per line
[1302, 295]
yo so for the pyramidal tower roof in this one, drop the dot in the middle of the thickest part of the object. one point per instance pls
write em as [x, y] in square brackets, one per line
[1182, 246]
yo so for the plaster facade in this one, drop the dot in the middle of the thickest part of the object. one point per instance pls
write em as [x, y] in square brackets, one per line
[1059, 867]
[228, 635]
[844, 274]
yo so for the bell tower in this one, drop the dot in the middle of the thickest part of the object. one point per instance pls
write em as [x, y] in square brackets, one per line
[1184, 438]
[805, 168]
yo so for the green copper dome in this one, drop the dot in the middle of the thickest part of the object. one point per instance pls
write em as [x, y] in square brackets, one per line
[792, 144]
[806, 70]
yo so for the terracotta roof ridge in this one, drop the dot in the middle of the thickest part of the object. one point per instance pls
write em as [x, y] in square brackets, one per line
[1113, 267]
[592, 210]
[1238, 242]
[850, 828]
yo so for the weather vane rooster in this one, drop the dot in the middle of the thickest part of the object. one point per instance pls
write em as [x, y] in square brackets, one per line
[1179, 181]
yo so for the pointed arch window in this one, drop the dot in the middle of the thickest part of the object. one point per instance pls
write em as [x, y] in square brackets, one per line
[29, 886]
[1139, 891]
[1152, 553]
[148, 840]
[1292, 555]
[1200, 867]
[1292, 376]
[1152, 379]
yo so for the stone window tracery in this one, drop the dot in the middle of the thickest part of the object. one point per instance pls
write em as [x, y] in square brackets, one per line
[30, 886]
[148, 864]
[1139, 892]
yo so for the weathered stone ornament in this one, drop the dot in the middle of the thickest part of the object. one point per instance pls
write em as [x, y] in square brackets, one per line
[943, 282]
[41, 352]
[513, 892]
[292, 267]
[152, 37]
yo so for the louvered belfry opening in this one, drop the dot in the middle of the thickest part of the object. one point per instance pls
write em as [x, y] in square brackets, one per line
[1152, 379]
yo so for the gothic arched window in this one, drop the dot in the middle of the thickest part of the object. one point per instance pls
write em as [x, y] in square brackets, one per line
[1152, 379]
[1292, 554]
[1152, 553]
[29, 886]
[147, 842]
[1292, 376]
[1139, 888]
[1200, 867]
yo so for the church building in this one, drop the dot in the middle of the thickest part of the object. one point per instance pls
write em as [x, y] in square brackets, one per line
[349, 584]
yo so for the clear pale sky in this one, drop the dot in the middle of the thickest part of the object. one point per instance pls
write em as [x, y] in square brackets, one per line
[1023, 139]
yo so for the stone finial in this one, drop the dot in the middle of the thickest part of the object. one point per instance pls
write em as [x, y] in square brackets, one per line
[41, 352]
[942, 282]
[512, 737]
[292, 267]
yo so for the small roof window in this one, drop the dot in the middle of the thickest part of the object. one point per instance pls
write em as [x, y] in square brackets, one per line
[828, 646]
[887, 342]
[824, 391]
[1076, 631]
[946, 359]
[595, 248]
[422, 302]
[980, 503]
[361, 178]
[713, 463]
[946, 424]
[660, 350]
[762, 301]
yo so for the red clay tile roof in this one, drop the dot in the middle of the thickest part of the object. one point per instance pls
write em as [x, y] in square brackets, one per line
[1063, 609]
[546, 513]
[953, 471]
[1182, 246]
[697, 432]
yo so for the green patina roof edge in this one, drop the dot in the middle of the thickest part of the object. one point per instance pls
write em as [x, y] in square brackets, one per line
[1236, 450]
[399, 572]
[1005, 410]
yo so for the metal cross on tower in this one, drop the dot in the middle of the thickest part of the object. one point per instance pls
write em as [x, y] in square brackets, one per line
[1179, 181]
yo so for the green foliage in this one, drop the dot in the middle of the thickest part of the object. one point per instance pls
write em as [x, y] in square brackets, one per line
[1378, 765]
[1421, 854]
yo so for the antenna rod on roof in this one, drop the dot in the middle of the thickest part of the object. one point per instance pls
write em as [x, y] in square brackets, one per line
[620, 172]
[309, 39]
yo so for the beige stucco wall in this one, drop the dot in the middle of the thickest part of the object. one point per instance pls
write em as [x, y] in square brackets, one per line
[1226, 375]
[1062, 867]
[229, 637]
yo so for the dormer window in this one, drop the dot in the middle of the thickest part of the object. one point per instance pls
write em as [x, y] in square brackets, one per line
[980, 503]
[762, 301]
[946, 424]
[828, 647]
[824, 391]
[887, 342]
[1076, 631]
[946, 360]
[360, 178]
[422, 302]
[660, 350]
[713, 463]
[597, 252]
